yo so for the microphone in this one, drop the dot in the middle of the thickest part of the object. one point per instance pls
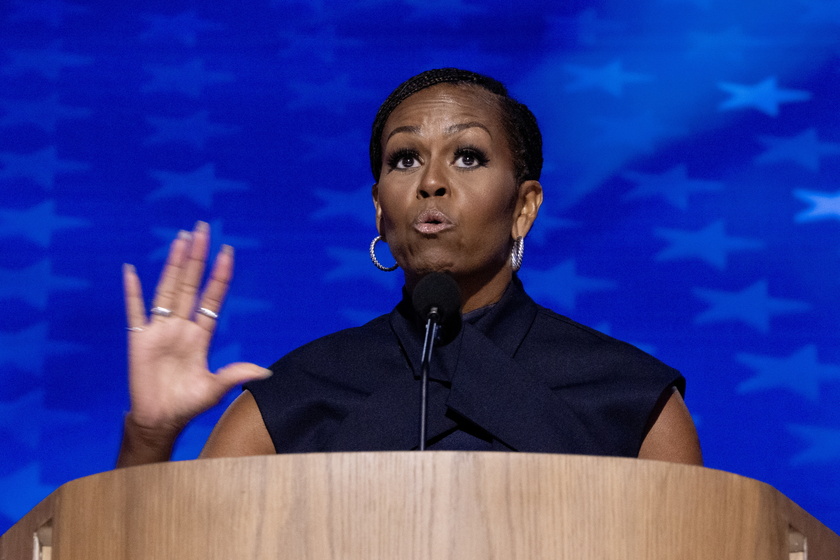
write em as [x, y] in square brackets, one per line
[437, 300]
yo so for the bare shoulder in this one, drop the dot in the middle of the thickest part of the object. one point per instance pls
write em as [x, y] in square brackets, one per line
[240, 431]
[673, 436]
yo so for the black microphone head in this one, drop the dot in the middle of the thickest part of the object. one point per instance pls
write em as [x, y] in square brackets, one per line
[439, 291]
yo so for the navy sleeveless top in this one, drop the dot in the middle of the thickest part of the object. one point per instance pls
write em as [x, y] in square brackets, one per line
[518, 377]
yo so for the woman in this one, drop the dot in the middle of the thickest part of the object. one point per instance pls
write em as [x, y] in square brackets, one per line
[456, 163]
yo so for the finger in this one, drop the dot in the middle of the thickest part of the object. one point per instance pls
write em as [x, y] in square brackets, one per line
[170, 277]
[135, 310]
[241, 372]
[192, 271]
[217, 287]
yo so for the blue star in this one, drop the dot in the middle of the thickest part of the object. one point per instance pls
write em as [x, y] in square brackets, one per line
[34, 284]
[218, 238]
[28, 349]
[672, 185]
[357, 205]
[585, 26]
[562, 284]
[804, 149]
[44, 113]
[729, 44]
[29, 417]
[183, 27]
[800, 372]
[752, 306]
[823, 444]
[51, 12]
[190, 78]
[48, 62]
[22, 490]
[333, 96]
[322, 43]
[640, 132]
[610, 78]
[41, 167]
[824, 206]
[710, 244]
[37, 224]
[763, 96]
[194, 130]
[355, 265]
[546, 224]
[199, 185]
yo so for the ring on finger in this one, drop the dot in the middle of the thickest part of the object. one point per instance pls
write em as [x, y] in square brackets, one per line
[207, 312]
[161, 311]
[135, 329]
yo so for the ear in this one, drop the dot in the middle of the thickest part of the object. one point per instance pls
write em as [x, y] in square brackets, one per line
[375, 193]
[527, 207]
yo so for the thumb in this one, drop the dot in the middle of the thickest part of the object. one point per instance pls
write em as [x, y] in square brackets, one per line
[241, 372]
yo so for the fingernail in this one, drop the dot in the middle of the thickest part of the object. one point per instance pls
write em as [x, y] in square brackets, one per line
[185, 235]
[267, 373]
[128, 268]
[227, 249]
[201, 226]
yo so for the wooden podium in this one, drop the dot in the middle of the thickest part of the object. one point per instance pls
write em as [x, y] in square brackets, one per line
[411, 505]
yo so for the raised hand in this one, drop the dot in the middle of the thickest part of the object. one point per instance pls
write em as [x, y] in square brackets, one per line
[169, 379]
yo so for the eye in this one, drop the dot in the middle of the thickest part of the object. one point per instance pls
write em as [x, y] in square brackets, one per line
[403, 159]
[470, 158]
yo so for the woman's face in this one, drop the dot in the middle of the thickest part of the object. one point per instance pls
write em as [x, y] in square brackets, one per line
[447, 197]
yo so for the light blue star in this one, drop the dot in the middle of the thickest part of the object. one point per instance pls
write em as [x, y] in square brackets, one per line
[800, 372]
[824, 206]
[35, 284]
[546, 224]
[610, 78]
[40, 167]
[29, 417]
[752, 306]
[22, 490]
[729, 44]
[194, 130]
[51, 12]
[354, 265]
[561, 284]
[823, 444]
[804, 149]
[43, 113]
[183, 27]
[37, 223]
[357, 205]
[28, 349]
[323, 44]
[48, 62]
[764, 96]
[189, 78]
[640, 132]
[710, 244]
[333, 96]
[218, 238]
[673, 185]
[199, 185]
[822, 12]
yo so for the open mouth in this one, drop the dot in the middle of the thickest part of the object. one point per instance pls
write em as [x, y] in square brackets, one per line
[431, 221]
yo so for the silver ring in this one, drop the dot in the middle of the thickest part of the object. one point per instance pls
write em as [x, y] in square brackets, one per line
[162, 311]
[135, 329]
[207, 312]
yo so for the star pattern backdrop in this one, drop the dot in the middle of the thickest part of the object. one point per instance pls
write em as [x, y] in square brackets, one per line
[692, 206]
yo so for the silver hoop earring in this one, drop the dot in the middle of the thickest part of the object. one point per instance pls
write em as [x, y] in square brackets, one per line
[376, 263]
[516, 253]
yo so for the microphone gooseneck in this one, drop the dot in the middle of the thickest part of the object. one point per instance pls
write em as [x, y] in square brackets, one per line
[437, 300]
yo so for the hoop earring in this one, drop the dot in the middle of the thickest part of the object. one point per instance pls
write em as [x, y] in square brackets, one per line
[373, 258]
[516, 253]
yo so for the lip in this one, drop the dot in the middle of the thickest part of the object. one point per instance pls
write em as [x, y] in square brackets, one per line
[431, 221]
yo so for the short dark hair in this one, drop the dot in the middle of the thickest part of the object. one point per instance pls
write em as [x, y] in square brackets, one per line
[519, 123]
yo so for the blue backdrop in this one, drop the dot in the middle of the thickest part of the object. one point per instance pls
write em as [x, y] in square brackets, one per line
[692, 201]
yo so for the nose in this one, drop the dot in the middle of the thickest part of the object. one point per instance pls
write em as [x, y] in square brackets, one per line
[433, 181]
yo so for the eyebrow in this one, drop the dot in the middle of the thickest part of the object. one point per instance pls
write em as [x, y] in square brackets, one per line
[451, 130]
